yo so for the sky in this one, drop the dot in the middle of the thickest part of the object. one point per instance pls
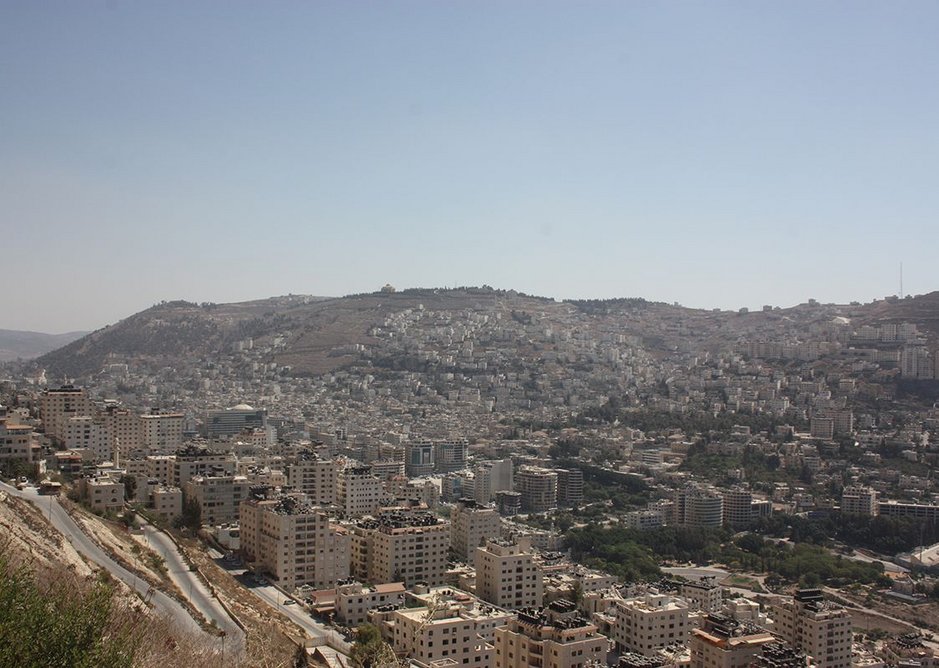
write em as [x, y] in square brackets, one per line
[715, 154]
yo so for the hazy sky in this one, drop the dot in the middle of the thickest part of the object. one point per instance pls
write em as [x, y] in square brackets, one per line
[714, 154]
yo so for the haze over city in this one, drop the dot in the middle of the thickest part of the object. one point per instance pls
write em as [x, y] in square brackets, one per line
[717, 155]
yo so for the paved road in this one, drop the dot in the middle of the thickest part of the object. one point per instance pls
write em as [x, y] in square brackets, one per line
[697, 572]
[63, 523]
[277, 600]
[192, 586]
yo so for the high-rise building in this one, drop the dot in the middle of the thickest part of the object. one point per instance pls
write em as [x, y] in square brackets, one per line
[315, 477]
[57, 406]
[646, 623]
[507, 576]
[538, 487]
[419, 458]
[450, 456]
[162, 432]
[570, 487]
[698, 507]
[359, 492]
[219, 497]
[818, 627]
[858, 500]
[554, 637]
[401, 546]
[492, 477]
[84, 432]
[471, 525]
[294, 542]
[738, 508]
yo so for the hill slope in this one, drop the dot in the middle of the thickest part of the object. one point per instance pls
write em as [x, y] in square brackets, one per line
[15, 344]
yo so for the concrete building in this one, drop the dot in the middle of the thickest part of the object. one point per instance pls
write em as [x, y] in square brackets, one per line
[233, 421]
[450, 456]
[354, 600]
[722, 642]
[859, 500]
[570, 487]
[193, 461]
[538, 487]
[738, 508]
[219, 497]
[419, 458]
[704, 595]
[507, 576]
[293, 541]
[470, 526]
[167, 502]
[57, 406]
[401, 546]
[447, 634]
[84, 432]
[817, 627]
[315, 477]
[162, 432]
[698, 507]
[359, 492]
[508, 503]
[555, 637]
[647, 623]
[491, 477]
[102, 494]
[124, 430]
[15, 439]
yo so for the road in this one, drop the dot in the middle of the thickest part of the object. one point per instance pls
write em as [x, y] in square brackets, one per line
[192, 586]
[64, 524]
[276, 599]
[697, 572]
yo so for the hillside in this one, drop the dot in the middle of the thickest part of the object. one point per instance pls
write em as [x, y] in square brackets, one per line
[15, 344]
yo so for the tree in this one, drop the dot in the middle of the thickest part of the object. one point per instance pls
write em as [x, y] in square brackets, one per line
[370, 651]
[191, 516]
[130, 486]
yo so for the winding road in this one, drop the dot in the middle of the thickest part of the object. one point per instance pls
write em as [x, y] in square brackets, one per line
[64, 524]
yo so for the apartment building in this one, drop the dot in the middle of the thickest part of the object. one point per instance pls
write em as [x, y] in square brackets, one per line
[57, 406]
[124, 430]
[554, 637]
[570, 487]
[161, 432]
[167, 502]
[448, 634]
[102, 493]
[219, 497]
[359, 492]
[697, 506]
[293, 541]
[315, 477]
[647, 623]
[354, 600]
[15, 439]
[538, 487]
[401, 546]
[450, 456]
[471, 524]
[195, 461]
[704, 594]
[859, 500]
[507, 575]
[738, 508]
[722, 642]
[817, 627]
[491, 477]
[84, 432]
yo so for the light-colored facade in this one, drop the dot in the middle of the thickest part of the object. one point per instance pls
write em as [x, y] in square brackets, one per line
[647, 623]
[294, 542]
[359, 492]
[167, 502]
[450, 456]
[102, 494]
[84, 432]
[354, 600]
[446, 635]
[470, 526]
[315, 477]
[817, 627]
[725, 643]
[538, 487]
[57, 406]
[507, 575]
[491, 477]
[698, 507]
[162, 432]
[15, 440]
[401, 546]
[858, 500]
[219, 497]
[192, 462]
[556, 637]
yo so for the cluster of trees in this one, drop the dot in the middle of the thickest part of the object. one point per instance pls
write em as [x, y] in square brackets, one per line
[56, 620]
